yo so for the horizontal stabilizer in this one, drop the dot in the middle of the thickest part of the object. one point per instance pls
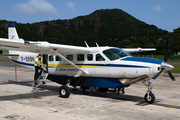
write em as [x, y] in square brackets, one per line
[9, 55]
[130, 50]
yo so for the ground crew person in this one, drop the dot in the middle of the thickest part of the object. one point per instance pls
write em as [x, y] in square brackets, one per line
[37, 65]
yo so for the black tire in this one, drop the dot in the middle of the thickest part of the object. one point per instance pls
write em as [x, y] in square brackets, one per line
[64, 91]
[151, 98]
[103, 89]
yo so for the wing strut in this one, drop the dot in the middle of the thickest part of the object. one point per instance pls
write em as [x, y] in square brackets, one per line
[58, 54]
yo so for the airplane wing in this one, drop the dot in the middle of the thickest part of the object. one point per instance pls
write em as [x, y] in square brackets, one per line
[131, 50]
[40, 47]
[46, 47]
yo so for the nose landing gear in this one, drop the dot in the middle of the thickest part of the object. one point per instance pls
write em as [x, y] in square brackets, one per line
[149, 97]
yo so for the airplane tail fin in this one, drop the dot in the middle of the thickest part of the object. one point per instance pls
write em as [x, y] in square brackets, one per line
[12, 33]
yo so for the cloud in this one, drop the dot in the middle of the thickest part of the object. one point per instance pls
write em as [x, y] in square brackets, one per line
[157, 9]
[34, 7]
[70, 5]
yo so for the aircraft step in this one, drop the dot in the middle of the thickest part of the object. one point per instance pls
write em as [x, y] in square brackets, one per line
[41, 79]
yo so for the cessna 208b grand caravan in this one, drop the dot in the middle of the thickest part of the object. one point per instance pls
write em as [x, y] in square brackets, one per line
[101, 67]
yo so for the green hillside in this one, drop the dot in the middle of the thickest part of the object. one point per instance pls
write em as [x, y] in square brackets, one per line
[110, 27]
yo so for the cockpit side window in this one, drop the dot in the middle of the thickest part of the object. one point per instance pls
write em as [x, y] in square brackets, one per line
[115, 53]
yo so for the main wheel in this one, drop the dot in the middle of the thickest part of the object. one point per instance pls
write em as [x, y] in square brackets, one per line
[149, 99]
[64, 91]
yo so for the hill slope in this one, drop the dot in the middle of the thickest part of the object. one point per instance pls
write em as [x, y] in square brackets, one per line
[111, 27]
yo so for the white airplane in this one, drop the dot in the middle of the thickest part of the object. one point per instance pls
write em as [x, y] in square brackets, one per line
[102, 67]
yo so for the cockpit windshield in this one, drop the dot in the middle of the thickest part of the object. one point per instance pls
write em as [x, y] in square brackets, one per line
[115, 53]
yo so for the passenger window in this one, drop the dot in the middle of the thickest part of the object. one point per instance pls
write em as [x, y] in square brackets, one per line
[89, 57]
[51, 58]
[58, 58]
[69, 57]
[80, 57]
[99, 58]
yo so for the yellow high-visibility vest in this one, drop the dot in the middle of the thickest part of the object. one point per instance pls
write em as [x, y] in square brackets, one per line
[37, 59]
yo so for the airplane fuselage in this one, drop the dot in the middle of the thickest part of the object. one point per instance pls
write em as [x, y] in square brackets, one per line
[97, 64]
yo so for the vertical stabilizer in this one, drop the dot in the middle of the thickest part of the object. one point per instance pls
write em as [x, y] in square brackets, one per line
[12, 33]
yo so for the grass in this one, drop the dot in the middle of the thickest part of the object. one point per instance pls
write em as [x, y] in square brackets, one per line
[171, 58]
[176, 68]
[4, 60]
[175, 61]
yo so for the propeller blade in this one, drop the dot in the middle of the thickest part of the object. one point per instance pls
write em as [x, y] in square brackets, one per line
[166, 57]
[171, 76]
[157, 75]
[166, 50]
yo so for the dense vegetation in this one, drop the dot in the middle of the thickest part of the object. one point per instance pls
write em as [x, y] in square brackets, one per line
[111, 27]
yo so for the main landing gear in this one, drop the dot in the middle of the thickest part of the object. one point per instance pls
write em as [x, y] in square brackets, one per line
[149, 96]
[64, 90]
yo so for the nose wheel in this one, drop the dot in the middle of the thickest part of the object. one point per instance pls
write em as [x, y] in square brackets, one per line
[149, 97]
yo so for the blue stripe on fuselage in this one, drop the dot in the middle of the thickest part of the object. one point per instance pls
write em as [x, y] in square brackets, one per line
[114, 65]
[107, 65]
[22, 63]
[142, 59]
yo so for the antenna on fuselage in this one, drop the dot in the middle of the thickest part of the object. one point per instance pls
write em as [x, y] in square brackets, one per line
[86, 44]
[97, 44]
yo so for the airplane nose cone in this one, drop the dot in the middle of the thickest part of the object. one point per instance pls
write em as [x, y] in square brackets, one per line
[166, 66]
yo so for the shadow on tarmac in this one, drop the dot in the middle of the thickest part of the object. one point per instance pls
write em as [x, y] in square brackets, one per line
[40, 92]
[52, 90]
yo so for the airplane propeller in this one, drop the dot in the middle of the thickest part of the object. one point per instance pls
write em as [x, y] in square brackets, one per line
[166, 57]
[165, 65]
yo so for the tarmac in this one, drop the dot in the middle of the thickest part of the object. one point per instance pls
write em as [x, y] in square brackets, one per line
[18, 102]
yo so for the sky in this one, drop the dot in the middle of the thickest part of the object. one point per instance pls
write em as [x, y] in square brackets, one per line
[162, 13]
